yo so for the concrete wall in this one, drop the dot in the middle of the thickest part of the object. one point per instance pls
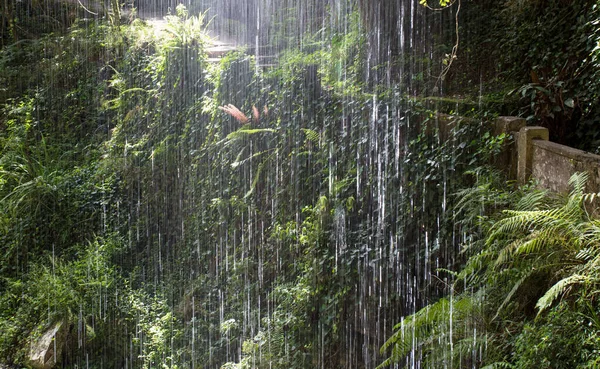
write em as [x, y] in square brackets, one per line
[553, 165]
[532, 156]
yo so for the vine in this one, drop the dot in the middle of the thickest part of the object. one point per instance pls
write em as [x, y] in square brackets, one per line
[449, 58]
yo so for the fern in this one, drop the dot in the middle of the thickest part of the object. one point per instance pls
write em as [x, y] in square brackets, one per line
[255, 181]
[591, 233]
[428, 330]
[516, 222]
[511, 294]
[470, 273]
[506, 254]
[239, 161]
[558, 289]
[578, 181]
[590, 197]
[561, 238]
[475, 203]
[585, 254]
[545, 238]
[534, 200]
[311, 135]
[539, 241]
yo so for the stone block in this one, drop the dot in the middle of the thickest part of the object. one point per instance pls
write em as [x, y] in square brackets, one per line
[508, 157]
[525, 149]
[508, 124]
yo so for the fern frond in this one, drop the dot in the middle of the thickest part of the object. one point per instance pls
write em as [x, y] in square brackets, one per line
[518, 221]
[552, 223]
[465, 347]
[592, 267]
[428, 329]
[539, 241]
[585, 254]
[574, 209]
[255, 181]
[506, 254]
[451, 272]
[533, 200]
[590, 197]
[469, 196]
[472, 247]
[511, 294]
[475, 265]
[239, 161]
[578, 181]
[591, 233]
[416, 326]
[311, 135]
[558, 289]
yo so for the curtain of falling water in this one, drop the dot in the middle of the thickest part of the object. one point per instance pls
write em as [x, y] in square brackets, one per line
[386, 242]
[201, 230]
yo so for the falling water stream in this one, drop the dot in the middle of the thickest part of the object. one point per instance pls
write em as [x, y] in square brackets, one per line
[297, 235]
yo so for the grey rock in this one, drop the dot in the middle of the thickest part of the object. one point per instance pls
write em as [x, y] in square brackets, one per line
[45, 350]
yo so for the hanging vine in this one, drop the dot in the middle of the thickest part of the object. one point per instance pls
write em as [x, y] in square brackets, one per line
[448, 58]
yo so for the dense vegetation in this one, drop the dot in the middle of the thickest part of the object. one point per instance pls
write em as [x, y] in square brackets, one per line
[542, 55]
[527, 295]
[164, 210]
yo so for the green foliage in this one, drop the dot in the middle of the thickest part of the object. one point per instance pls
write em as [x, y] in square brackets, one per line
[532, 58]
[45, 188]
[550, 48]
[57, 290]
[551, 342]
[28, 20]
[169, 233]
[442, 3]
[541, 258]
[157, 330]
[280, 344]
[447, 331]
[341, 62]
[549, 241]
[95, 303]
[60, 192]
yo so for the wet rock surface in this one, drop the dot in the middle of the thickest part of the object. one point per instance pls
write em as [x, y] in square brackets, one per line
[45, 351]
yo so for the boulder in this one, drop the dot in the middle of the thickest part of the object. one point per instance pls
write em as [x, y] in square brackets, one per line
[45, 351]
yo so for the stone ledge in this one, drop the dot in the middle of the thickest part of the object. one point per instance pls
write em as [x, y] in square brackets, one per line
[567, 151]
[506, 124]
[553, 164]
